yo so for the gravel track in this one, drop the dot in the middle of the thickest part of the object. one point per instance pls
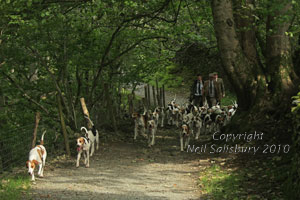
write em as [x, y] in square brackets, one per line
[126, 170]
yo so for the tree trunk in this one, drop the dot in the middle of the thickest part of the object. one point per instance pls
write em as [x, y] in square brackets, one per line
[241, 63]
[37, 120]
[63, 126]
[110, 107]
[278, 55]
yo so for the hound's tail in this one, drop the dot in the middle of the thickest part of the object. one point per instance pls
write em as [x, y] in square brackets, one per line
[42, 139]
[86, 131]
[89, 120]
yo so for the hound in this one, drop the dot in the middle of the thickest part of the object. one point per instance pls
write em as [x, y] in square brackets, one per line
[37, 156]
[198, 125]
[188, 119]
[93, 136]
[185, 133]
[152, 128]
[208, 123]
[83, 146]
[219, 122]
[140, 121]
[159, 113]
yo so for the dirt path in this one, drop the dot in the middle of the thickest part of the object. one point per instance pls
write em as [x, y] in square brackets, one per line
[125, 170]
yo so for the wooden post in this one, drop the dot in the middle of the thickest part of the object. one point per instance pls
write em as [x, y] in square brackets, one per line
[149, 99]
[164, 96]
[85, 112]
[37, 120]
[130, 103]
[63, 126]
[145, 102]
[160, 96]
[157, 92]
[154, 97]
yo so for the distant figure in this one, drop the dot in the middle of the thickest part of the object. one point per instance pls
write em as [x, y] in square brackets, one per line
[221, 87]
[197, 91]
[211, 90]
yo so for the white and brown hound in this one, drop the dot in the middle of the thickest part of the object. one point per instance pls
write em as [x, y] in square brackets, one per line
[152, 128]
[140, 121]
[185, 133]
[37, 156]
[198, 124]
[159, 113]
[83, 146]
[93, 136]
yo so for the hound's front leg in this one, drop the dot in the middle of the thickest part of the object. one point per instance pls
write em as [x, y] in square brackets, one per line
[198, 132]
[40, 169]
[32, 177]
[88, 160]
[181, 142]
[187, 141]
[177, 120]
[84, 156]
[153, 136]
[78, 158]
[97, 141]
[135, 131]
[143, 131]
[169, 116]
[148, 134]
[92, 148]
[162, 120]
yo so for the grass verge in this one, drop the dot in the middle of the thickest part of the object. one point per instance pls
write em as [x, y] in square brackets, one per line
[14, 188]
[241, 179]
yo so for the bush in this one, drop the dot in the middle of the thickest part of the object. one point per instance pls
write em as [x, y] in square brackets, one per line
[293, 182]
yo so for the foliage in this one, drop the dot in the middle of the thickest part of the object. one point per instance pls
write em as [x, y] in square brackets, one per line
[293, 181]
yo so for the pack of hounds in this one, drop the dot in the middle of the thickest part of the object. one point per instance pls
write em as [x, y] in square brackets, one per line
[191, 120]
[85, 145]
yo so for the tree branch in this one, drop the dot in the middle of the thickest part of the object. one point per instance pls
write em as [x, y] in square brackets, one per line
[24, 93]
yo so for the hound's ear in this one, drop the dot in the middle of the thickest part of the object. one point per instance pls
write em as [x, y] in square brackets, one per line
[27, 162]
[35, 162]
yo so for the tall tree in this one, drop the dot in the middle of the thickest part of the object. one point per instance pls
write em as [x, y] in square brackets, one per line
[260, 83]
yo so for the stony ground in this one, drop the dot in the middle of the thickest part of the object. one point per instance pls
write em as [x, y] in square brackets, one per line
[126, 170]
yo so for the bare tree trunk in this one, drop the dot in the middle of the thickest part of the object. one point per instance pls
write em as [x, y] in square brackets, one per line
[37, 120]
[110, 107]
[63, 126]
